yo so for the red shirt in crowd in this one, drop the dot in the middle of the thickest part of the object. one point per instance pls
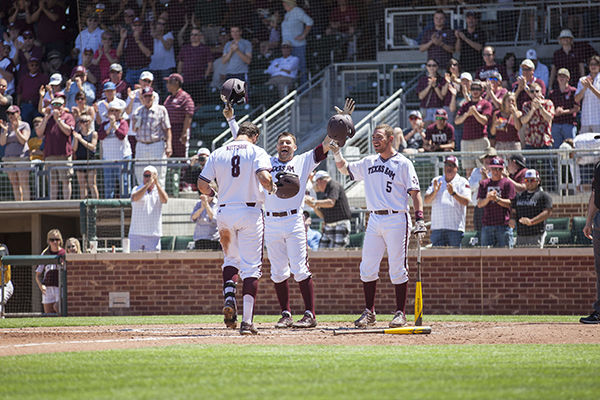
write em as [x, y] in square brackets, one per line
[506, 132]
[104, 64]
[431, 100]
[437, 52]
[440, 136]
[570, 61]
[49, 31]
[566, 100]
[179, 106]
[538, 132]
[133, 56]
[56, 143]
[472, 129]
[493, 213]
[29, 87]
[195, 61]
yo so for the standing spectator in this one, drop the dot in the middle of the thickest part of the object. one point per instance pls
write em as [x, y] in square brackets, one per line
[105, 57]
[109, 94]
[494, 92]
[72, 246]
[136, 48]
[92, 71]
[180, 107]
[334, 209]
[162, 61]
[49, 19]
[90, 38]
[452, 77]
[115, 146]
[116, 76]
[431, 89]
[84, 147]
[566, 57]
[7, 68]
[490, 66]
[439, 136]
[564, 125]
[517, 168]
[57, 127]
[592, 232]
[27, 51]
[530, 209]
[135, 101]
[206, 234]
[506, 123]
[14, 136]
[56, 64]
[82, 109]
[541, 70]
[495, 196]
[469, 43]
[46, 276]
[414, 134]
[449, 196]
[28, 89]
[147, 199]
[79, 83]
[20, 15]
[342, 21]
[522, 88]
[312, 237]
[588, 95]
[36, 152]
[439, 41]
[6, 286]
[6, 99]
[510, 66]
[474, 114]
[237, 55]
[284, 70]
[152, 128]
[195, 66]
[537, 129]
[295, 27]
[475, 179]
[47, 92]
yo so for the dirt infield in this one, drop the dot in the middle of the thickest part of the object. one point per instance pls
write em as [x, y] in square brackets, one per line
[85, 338]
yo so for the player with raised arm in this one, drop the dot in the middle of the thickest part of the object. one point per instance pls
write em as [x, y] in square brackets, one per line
[390, 179]
[285, 233]
[243, 173]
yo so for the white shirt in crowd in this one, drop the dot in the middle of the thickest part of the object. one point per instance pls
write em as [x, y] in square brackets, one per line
[446, 211]
[162, 58]
[146, 214]
[590, 104]
[88, 40]
[278, 65]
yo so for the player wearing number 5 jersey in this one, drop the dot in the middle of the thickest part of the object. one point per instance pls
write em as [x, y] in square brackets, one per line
[389, 179]
[241, 170]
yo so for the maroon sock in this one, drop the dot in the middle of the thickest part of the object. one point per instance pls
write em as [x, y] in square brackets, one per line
[250, 287]
[283, 295]
[400, 296]
[369, 289]
[230, 274]
[308, 294]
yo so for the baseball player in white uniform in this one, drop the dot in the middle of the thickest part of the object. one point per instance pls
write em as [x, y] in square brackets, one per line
[285, 233]
[242, 171]
[389, 179]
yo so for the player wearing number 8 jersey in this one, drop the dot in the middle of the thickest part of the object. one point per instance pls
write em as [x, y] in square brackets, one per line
[389, 179]
[241, 170]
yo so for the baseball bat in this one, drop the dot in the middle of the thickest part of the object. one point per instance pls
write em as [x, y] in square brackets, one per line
[418, 289]
[411, 330]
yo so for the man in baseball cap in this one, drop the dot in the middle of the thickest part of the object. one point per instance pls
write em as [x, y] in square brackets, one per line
[449, 196]
[567, 57]
[540, 70]
[524, 81]
[439, 136]
[530, 209]
[494, 196]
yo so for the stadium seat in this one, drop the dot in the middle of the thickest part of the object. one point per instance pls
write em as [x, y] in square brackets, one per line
[577, 231]
[357, 239]
[470, 239]
[213, 128]
[558, 238]
[557, 224]
[166, 243]
[184, 243]
[209, 112]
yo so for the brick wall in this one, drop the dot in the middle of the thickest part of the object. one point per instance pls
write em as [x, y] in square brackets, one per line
[470, 281]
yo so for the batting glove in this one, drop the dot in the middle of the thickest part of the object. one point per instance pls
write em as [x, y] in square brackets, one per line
[420, 229]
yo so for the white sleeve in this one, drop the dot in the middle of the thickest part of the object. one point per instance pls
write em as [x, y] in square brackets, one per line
[356, 170]
[409, 177]
[262, 161]
[233, 125]
[465, 189]
[208, 172]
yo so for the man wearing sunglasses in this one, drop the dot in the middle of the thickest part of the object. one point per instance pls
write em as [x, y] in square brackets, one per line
[529, 210]
[524, 81]
[439, 136]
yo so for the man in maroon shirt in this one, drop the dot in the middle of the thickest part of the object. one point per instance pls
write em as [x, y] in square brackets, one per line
[438, 42]
[522, 85]
[516, 171]
[136, 49]
[115, 76]
[57, 127]
[28, 89]
[180, 106]
[50, 17]
[564, 125]
[27, 50]
[490, 67]
[494, 196]
[195, 65]
[474, 114]
[439, 136]
[567, 57]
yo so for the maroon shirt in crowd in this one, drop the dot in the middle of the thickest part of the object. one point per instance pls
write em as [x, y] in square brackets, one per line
[178, 106]
[493, 213]
[440, 136]
[50, 278]
[437, 52]
[524, 96]
[570, 61]
[36, 51]
[487, 70]
[49, 31]
[56, 143]
[133, 56]
[519, 176]
[506, 132]
[472, 129]
[431, 100]
[28, 88]
[195, 61]
[566, 100]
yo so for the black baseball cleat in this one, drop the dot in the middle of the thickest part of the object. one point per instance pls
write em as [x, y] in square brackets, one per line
[230, 314]
[307, 321]
[593, 318]
[247, 329]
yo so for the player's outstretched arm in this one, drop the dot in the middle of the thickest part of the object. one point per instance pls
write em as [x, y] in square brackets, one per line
[266, 180]
[340, 162]
[230, 118]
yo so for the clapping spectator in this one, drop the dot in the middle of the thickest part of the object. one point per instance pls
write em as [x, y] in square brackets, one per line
[89, 38]
[79, 83]
[47, 92]
[180, 108]
[566, 57]
[284, 70]
[163, 58]
[14, 135]
[490, 66]
[414, 134]
[195, 65]
[588, 95]
[469, 43]
[439, 41]
[453, 81]
[85, 141]
[431, 90]
[506, 122]
[524, 82]
[6, 99]
[7, 68]
[564, 125]
[49, 18]
[237, 55]
[116, 76]
[295, 27]
[541, 70]
[115, 146]
[206, 235]
[105, 57]
[102, 106]
[439, 136]
[136, 48]
[28, 94]
[28, 50]
[81, 108]
[57, 128]
[494, 92]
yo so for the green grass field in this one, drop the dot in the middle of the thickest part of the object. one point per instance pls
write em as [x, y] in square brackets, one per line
[308, 372]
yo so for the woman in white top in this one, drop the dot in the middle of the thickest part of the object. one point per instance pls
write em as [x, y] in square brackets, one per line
[162, 63]
[14, 135]
[588, 95]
